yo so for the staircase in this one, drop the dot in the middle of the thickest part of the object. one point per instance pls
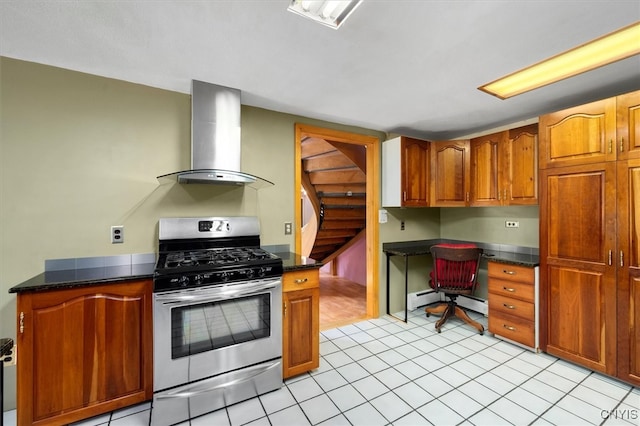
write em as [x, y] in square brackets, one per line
[334, 178]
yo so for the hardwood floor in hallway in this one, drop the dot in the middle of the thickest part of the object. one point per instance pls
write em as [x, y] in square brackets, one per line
[341, 301]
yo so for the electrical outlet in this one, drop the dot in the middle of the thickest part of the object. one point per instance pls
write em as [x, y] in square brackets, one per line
[512, 224]
[11, 358]
[402, 225]
[287, 228]
[117, 234]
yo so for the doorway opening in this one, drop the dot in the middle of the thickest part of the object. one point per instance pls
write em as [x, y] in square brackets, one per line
[337, 185]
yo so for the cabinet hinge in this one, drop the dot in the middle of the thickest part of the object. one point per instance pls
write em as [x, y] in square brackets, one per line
[622, 145]
[21, 322]
[621, 258]
[610, 257]
[610, 146]
[285, 309]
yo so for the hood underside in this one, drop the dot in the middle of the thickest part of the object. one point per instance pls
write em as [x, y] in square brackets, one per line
[215, 139]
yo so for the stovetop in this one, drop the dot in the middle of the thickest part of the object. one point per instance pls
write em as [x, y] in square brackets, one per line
[196, 252]
[213, 258]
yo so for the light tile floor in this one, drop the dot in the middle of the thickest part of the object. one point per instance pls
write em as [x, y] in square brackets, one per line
[386, 372]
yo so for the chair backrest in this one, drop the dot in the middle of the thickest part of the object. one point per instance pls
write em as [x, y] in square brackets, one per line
[455, 267]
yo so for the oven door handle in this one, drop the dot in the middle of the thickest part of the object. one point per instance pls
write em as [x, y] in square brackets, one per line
[229, 292]
[210, 385]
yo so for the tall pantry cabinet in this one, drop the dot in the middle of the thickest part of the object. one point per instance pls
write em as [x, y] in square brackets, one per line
[590, 235]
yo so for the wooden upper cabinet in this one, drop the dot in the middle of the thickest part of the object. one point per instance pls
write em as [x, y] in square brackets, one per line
[415, 172]
[450, 173]
[405, 172]
[504, 168]
[628, 125]
[579, 135]
[521, 174]
[487, 170]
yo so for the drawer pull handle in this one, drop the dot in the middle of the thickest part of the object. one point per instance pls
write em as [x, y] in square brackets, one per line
[508, 327]
[512, 290]
[508, 306]
[509, 272]
[300, 280]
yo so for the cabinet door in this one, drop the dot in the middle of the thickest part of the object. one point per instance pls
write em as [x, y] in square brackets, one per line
[450, 175]
[521, 157]
[628, 260]
[487, 167]
[628, 125]
[415, 172]
[579, 135]
[84, 351]
[301, 334]
[578, 275]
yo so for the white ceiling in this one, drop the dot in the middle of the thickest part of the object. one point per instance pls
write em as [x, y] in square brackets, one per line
[401, 66]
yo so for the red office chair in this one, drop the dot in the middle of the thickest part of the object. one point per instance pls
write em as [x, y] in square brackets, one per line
[455, 272]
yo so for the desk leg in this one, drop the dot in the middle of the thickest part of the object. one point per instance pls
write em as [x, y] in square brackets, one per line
[406, 286]
[388, 305]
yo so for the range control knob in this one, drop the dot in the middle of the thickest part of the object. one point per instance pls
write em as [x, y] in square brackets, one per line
[197, 279]
[183, 281]
[250, 273]
[224, 276]
[262, 272]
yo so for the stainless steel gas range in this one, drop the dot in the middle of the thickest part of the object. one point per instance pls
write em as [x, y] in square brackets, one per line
[217, 317]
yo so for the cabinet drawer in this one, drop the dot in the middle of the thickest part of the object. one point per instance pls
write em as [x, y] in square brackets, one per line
[300, 280]
[512, 327]
[511, 306]
[507, 272]
[511, 289]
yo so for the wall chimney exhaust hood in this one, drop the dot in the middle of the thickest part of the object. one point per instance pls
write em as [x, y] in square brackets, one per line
[215, 139]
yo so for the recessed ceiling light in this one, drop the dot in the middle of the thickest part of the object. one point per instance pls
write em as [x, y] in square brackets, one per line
[612, 47]
[331, 13]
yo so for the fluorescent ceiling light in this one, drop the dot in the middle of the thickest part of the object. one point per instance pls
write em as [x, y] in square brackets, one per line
[613, 47]
[331, 13]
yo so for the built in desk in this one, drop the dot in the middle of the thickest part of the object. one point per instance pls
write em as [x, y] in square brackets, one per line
[509, 254]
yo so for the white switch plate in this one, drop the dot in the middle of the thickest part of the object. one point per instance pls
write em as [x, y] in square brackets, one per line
[382, 216]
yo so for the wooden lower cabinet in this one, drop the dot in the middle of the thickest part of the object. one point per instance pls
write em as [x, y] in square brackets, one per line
[512, 303]
[301, 322]
[83, 351]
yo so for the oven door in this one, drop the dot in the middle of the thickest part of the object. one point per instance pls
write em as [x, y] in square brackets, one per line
[206, 331]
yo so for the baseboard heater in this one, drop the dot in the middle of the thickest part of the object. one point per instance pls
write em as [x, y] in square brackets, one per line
[423, 298]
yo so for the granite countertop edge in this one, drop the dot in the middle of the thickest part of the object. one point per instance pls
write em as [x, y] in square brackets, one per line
[73, 278]
[512, 255]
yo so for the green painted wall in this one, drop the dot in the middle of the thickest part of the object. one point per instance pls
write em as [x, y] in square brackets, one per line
[80, 153]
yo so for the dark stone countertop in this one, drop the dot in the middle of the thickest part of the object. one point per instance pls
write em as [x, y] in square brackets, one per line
[295, 262]
[70, 278]
[6, 345]
[513, 255]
